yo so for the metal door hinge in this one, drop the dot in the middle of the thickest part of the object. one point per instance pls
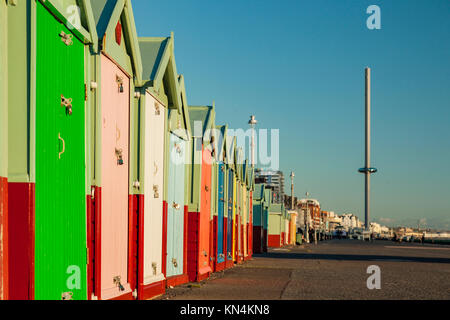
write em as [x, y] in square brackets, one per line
[136, 185]
[135, 294]
[157, 109]
[66, 38]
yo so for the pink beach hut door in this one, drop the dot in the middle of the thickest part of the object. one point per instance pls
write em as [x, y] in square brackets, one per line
[115, 94]
[154, 188]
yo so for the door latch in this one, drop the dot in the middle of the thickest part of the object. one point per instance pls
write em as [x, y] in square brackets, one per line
[157, 109]
[119, 155]
[66, 38]
[116, 281]
[67, 296]
[119, 81]
[176, 206]
[155, 191]
[67, 103]
[205, 253]
[154, 266]
[174, 262]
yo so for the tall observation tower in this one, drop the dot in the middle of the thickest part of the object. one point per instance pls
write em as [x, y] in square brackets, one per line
[367, 170]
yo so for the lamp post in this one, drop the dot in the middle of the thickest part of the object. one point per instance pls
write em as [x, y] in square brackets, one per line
[306, 218]
[253, 122]
[292, 190]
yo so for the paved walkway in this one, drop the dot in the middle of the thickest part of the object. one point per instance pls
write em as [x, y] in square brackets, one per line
[335, 269]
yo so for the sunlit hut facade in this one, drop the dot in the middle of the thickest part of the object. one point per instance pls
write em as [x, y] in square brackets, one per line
[268, 196]
[250, 185]
[111, 227]
[158, 93]
[3, 152]
[199, 239]
[258, 218]
[176, 194]
[230, 167]
[276, 225]
[221, 213]
[292, 227]
[238, 245]
[48, 183]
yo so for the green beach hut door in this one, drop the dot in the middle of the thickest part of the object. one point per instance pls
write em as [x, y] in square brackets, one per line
[60, 221]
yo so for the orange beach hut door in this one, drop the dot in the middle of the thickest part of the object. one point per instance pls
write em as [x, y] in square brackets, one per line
[205, 214]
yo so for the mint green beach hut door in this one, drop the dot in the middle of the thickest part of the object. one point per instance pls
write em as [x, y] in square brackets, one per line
[60, 217]
[175, 203]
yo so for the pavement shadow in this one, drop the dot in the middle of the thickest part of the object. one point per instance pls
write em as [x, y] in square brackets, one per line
[350, 257]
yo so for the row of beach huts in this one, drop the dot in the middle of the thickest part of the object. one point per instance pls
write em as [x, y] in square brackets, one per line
[111, 185]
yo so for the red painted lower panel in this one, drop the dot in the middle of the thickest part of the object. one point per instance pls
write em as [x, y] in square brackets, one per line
[202, 276]
[274, 240]
[133, 238]
[152, 290]
[219, 267]
[164, 240]
[4, 282]
[21, 212]
[185, 244]
[241, 257]
[193, 239]
[97, 241]
[236, 239]
[90, 228]
[213, 243]
[257, 239]
[229, 264]
[177, 280]
[265, 240]
[140, 245]
[127, 296]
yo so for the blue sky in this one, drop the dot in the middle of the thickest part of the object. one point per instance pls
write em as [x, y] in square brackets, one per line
[299, 67]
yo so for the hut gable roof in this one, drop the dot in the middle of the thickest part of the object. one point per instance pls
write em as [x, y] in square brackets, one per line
[259, 191]
[202, 119]
[221, 142]
[65, 11]
[159, 68]
[107, 14]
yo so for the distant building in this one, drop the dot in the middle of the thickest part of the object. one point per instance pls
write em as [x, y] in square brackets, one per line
[312, 209]
[350, 221]
[273, 180]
